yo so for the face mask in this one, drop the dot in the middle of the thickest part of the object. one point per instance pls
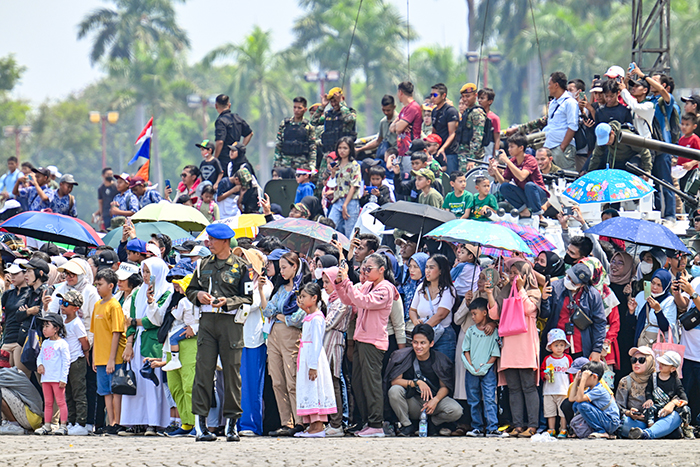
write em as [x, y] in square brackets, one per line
[645, 268]
[657, 294]
[318, 273]
[570, 285]
[569, 260]
[695, 270]
[539, 268]
[110, 179]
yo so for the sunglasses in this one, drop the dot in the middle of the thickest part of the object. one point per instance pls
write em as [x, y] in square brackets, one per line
[70, 274]
[641, 360]
[697, 219]
[183, 175]
[435, 94]
[66, 303]
[367, 269]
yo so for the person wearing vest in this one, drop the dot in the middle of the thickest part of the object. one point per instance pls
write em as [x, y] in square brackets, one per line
[221, 285]
[229, 128]
[338, 121]
[470, 131]
[296, 140]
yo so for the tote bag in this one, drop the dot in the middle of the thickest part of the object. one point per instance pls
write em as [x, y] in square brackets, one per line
[124, 381]
[31, 348]
[512, 320]
[662, 345]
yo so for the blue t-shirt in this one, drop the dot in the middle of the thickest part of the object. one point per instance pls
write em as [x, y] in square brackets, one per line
[304, 190]
[659, 116]
[602, 400]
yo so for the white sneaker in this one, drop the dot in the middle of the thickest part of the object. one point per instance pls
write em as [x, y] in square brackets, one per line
[334, 432]
[77, 430]
[90, 428]
[173, 364]
[11, 428]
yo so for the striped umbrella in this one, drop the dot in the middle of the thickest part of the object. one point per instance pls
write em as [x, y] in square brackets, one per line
[532, 238]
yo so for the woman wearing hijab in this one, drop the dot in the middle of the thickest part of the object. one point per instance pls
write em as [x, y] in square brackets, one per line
[657, 312]
[600, 282]
[649, 262]
[622, 271]
[149, 407]
[416, 271]
[519, 361]
[548, 263]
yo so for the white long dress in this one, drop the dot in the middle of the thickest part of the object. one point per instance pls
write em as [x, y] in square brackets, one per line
[314, 397]
[150, 405]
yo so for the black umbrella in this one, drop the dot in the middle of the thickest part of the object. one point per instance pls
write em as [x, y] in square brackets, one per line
[412, 217]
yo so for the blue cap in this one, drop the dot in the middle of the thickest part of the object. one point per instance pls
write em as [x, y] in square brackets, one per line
[220, 231]
[276, 254]
[602, 134]
[137, 245]
[183, 267]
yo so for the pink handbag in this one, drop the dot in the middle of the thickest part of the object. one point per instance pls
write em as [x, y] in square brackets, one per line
[512, 320]
[663, 344]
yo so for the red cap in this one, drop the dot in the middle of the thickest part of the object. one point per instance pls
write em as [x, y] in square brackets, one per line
[333, 155]
[433, 138]
[136, 181]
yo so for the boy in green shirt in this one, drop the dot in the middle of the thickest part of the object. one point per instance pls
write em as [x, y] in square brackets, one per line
[428, 195]
[484, 202]
[459, 202]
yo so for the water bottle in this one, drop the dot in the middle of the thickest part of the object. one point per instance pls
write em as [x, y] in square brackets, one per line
[423, 425]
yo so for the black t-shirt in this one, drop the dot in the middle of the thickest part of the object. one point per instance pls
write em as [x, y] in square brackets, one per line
[210, 170]
[229, 128]
[672, 387]
[426, 369]
[106, 194]
[249, 201]
[441, 117]
[620, 113]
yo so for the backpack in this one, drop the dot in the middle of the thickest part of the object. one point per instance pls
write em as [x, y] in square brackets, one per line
[673, 123]
[488, 132]
[466, 134]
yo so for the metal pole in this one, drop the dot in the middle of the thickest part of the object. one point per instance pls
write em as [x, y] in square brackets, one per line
[17, 144]
[486, 72]
[104, 141]
[204, 119]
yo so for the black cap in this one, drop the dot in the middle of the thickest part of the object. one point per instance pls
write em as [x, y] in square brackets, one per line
[37, 263]
[641, 82]
[187, 245]
[41, 170]
[695, 99]
[369, 162]
[106, 259]
[55, 319]
[50, 249]
[206, 144]
[417, 145]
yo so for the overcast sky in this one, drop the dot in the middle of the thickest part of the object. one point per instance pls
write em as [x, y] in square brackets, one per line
[42, 34]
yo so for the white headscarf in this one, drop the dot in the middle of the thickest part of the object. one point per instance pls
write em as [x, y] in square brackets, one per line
[159, 271]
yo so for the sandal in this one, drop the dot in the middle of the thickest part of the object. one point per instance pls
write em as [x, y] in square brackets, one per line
[527, 433]
[515, 431]
[461, 430]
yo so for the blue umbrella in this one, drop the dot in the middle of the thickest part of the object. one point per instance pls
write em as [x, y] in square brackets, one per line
[639, 231]
[608, 186]
[485, 234]
[51, 227]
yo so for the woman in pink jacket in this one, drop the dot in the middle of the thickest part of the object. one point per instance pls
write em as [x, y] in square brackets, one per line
[372, 302]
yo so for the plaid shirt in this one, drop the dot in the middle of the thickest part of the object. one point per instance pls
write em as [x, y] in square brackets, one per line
[127, 201]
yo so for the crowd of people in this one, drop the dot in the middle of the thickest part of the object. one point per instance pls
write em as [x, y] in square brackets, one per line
[394, 336]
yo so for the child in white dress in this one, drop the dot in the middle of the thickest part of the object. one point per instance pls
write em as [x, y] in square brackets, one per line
[315, 394]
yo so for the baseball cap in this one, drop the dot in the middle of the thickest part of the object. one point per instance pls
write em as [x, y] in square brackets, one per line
[671, 358]
[55, 319]
[579, 274]
[13, 269]
[199, 250]
[72, 266]
[335, 91]
[576, 365]
[615, 71]
[37, 263]
[72, 296]
[126, 270]
[468, 88]
[68, 178]
[641, 349]
[124, 176]
[424, 172]
[417, 145]
[427, 107]
[302, 208]
[333, 155]
[137, 245]
[695, 99]
[602, 134]
[136, 181]
[153, 249]
[597, 85]
[106, 259]
[205, 144]
[433, 138]
[42, 171]
[187, 245]
[645, 84]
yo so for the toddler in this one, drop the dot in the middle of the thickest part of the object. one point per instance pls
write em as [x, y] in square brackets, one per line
[53, 364]
[556, 381]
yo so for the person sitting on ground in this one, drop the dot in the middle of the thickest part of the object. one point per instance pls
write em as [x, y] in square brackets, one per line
[593, 402]
[421, 379]
[20, 403]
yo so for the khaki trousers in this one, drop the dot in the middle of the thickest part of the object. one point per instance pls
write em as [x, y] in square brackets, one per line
[282, 350]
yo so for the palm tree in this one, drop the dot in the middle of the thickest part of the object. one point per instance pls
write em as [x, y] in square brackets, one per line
[132, 21]
[257, 87]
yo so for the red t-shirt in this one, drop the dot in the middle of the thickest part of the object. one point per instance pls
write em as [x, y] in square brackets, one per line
[564, 316]
[413, 114]
[529, 164]
[691, 141]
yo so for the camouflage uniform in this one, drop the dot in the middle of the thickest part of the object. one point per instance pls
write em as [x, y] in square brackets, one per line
[476, 119]
[307, 161]
[533, 125]
[346, 114]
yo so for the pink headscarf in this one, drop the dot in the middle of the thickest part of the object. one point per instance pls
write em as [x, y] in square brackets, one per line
[332, 274]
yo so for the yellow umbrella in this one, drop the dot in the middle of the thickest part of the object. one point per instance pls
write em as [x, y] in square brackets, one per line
[186, 217]
[245, 225]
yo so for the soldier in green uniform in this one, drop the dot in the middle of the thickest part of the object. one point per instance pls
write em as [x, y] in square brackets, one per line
[338, 121]
[296, 140]
[221, 285]
[470, 131]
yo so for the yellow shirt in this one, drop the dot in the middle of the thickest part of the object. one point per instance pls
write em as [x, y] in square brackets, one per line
[107, 318]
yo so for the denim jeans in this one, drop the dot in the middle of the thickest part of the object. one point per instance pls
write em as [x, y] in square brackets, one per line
[481, 395]
[691, 383]
[596, 418]
[663, 426]
[336, 214]
[532, 197]
[662, 170]
[447, 343]
[452, 163]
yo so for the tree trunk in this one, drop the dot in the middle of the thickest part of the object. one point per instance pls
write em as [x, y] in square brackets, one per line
[534, 85]
[264, 172]
[369, 121]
